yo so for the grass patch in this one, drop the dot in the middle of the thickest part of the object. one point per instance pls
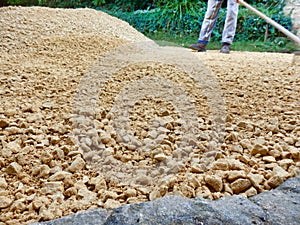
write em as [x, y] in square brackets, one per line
[268, 46]
[283, 45]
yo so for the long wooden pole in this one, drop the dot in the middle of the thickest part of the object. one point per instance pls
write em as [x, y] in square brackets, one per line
[272, 22]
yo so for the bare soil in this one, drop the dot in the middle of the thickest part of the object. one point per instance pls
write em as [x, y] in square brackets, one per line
[58, 157]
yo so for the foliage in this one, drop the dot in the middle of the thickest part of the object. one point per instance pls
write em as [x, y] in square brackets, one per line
[251, 27]
[22, 2]
[179, 16]
[182, 17]
[129, 5]
[98, 2]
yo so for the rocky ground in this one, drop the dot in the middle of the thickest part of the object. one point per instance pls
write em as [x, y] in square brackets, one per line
[89, 118]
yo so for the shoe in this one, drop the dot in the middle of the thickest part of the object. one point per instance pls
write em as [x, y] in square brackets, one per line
[225, 48]
[198, 47]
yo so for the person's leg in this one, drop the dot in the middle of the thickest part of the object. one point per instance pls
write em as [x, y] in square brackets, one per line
[211, 15]
[209, 21]
[230, 22]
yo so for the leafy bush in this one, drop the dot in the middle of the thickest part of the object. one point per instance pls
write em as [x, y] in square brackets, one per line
[251, 27]
[177, 17]
[129, 5]
[182, 17]
[22, 2]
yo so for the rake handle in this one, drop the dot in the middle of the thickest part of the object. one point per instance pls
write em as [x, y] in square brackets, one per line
[292, 36]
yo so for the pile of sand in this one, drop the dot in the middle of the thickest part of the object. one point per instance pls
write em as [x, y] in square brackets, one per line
[57, 158]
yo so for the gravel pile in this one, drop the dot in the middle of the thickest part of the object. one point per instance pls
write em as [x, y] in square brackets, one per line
[94, 114]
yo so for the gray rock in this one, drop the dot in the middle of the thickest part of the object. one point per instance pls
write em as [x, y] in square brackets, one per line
[89, 217]
[278, 206]
[281, 205]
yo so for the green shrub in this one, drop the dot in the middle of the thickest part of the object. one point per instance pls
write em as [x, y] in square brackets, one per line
[177, 17]
[22, 2]
[182, 17]
[251, 27]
